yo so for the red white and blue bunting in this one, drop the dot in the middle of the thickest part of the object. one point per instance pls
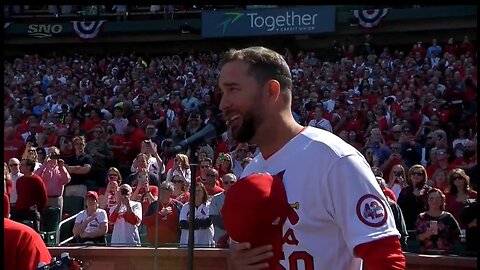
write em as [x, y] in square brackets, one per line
[371, 17]
[87, 30]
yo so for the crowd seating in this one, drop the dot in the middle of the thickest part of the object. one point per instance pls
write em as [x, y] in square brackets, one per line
[173, 75]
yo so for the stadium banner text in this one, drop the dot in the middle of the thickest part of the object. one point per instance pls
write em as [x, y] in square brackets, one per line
[275, 21]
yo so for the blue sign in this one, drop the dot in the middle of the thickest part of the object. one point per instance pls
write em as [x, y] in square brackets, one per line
[275, 21]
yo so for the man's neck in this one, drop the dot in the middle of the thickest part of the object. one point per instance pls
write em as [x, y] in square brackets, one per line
[286, 128]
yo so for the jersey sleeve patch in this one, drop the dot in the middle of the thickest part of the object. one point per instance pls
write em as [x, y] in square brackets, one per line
[371, 210]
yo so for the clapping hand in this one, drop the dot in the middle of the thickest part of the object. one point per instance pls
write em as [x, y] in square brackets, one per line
[166, 210]
[60, 163]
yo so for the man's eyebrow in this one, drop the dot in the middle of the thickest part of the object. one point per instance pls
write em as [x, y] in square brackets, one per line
[230, 84]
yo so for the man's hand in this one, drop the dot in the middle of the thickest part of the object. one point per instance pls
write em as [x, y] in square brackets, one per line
[242, 257]
[61, 163]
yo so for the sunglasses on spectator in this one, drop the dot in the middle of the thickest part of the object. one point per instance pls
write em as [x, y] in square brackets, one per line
[211, 175]
[165, 189]
[177, 181]
[228, 182]
[417, 173]
[14, 164]
[397, 173]
[457, 177]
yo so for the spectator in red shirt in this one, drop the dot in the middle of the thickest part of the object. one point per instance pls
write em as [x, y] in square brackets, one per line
[381, 117]
[459, 191]
[469, 158]
[180, 189]
[32, 195]
[143, 192]
[467, 47]
[386, 191]
[441, 162]
[211, 182]
[452, 48]
[91, 122]
[12, 146]
[224, 164]
[165, 212]
[133, 140]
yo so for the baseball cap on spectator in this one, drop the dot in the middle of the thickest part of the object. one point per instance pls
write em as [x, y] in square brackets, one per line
[255, 209]
[92, 194]
[126, 187]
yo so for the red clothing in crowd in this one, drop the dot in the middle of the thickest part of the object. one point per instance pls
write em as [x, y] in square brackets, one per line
[455, 207]
[9, 186]
[199, 179]
[31, 191]
[169, 164]
[168, 230]
[143, 198]
[215, 190]
[12, 148]
[389, 193]
[23, 248]
[129, 217]
[183, 198]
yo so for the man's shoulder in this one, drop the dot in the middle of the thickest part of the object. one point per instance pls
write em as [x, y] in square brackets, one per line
[218, 197]
[11, 226]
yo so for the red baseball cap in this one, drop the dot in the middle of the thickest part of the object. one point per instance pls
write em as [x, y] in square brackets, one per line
[92, 194]
[255, 209]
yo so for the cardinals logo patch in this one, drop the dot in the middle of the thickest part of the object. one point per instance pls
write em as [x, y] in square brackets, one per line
[371, 210]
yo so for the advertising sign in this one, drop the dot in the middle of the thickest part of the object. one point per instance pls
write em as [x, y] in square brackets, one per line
[275, 21]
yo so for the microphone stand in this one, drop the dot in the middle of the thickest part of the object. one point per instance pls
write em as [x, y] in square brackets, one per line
[191, 218]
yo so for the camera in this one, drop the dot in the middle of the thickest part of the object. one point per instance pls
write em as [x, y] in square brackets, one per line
[124, 192]
[142, 177]
[54, 156]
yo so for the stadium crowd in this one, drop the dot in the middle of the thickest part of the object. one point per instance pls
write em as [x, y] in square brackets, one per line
[103, 128]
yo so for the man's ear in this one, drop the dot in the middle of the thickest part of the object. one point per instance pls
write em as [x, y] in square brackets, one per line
[273, 89]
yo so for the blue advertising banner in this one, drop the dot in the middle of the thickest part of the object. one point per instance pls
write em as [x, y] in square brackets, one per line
[276, 21]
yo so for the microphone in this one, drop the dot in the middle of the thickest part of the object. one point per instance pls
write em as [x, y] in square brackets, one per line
[210, 131]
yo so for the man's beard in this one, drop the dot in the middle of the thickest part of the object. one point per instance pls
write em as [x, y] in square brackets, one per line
[247, 130]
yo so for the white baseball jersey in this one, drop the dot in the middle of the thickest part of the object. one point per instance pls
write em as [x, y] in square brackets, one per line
[202, 237]
[336, 200]
[125, 233]
[92, 226]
